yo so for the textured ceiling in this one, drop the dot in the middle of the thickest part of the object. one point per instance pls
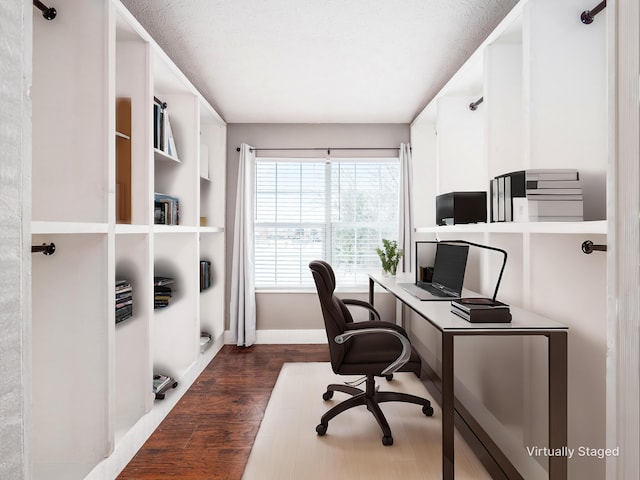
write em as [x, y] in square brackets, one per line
[319, 61]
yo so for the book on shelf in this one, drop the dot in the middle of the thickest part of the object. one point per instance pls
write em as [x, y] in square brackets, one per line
[162, 281]
[205, 274]
[554, 208]
[168, 139]
[158, 123]
[162, 291]
[162, 383]
[124, 300]
[163, 138]
[166, 209]
[546, 174]
[205, 338]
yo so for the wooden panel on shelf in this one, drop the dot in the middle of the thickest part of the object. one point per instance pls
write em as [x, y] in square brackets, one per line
[123, 160]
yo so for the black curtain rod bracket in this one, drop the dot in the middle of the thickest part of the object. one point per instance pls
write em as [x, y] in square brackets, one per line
[589, 247]
[474, 106]
[44, 248]
[588, 15]
[47, 12]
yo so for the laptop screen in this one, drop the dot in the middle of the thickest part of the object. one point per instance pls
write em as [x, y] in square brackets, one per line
[449, 266]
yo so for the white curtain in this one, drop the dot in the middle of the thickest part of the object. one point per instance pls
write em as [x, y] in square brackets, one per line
[243, 292]
[405, 215]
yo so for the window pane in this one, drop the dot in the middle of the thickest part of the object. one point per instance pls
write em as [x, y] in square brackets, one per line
[313, 209]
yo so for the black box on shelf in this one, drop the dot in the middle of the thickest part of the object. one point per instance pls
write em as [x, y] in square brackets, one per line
[461, 207]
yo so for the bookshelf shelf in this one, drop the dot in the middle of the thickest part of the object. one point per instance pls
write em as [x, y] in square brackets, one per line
[161, 156]
[211, 229]
[95, 175]
[594, 227]
[127, 229]
[39, 227]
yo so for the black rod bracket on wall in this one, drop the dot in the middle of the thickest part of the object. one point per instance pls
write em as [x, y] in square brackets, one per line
[47, 12]
[44, 248]
[589, 247]
[474, 105]
[587, 16]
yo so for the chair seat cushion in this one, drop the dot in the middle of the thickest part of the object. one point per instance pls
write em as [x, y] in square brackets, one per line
[370, 354]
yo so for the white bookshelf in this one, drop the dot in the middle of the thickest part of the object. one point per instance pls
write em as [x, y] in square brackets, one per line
[542, 75]
[93, 403]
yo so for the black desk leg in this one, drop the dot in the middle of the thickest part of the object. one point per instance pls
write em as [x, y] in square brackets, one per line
[557, 403]
[447, 407]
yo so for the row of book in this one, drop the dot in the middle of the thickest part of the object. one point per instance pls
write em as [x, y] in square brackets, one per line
[163, 139]
[162, 291]
[124, 300]
[166, 210]
[539, 195]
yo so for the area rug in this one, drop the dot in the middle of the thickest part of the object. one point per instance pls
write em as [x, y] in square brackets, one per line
[287, 446]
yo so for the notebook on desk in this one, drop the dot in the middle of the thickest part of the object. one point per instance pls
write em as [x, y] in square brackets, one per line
[449, 265]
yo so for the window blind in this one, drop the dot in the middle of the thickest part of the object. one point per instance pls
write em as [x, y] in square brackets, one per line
[338, 210]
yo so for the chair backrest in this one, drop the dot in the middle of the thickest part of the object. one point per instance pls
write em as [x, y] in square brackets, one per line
[335, 313]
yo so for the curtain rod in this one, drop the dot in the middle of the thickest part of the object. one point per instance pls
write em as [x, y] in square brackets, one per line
[48, 13]
[328, 149]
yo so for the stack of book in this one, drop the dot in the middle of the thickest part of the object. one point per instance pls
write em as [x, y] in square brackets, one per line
[205, 274]
[166, 210]
[124, 300]
[162, 383]
[481, 310]
[162, 292]
[539, 195]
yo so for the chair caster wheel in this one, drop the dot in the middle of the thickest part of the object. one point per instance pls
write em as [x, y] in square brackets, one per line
[387, 441]
[321, 429]
[389, 377]
[427, 410]
[328, 395]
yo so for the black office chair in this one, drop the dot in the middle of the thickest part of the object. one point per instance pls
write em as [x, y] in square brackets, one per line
[371, 348]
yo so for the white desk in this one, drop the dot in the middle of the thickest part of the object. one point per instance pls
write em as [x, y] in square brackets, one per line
[438, 314]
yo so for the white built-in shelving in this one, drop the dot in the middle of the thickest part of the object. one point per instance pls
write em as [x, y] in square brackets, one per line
[542, 75]
[95, 173]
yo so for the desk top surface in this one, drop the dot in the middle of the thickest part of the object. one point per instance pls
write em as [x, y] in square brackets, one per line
[438, 313]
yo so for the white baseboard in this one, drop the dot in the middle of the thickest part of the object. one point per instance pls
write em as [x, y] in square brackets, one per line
[129, 445]
[317, 336]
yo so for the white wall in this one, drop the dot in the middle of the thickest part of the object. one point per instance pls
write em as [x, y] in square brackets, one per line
[274, 310]
[460, 140]
[15, 255]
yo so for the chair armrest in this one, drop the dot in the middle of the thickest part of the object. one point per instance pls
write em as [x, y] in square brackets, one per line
[398, 362]
[363, 304]
[375, 324]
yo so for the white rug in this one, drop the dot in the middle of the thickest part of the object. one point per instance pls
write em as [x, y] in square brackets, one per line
[287, 446]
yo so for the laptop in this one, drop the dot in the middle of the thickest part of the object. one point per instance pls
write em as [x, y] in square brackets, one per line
[449, 265]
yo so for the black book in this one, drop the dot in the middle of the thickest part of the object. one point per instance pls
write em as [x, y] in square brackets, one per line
[481, 310]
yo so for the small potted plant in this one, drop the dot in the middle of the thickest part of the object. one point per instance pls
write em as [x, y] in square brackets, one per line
[390, 256]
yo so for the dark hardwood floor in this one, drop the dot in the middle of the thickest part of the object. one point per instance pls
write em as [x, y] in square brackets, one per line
[209, 433]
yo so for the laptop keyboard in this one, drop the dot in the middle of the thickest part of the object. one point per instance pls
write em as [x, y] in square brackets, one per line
[435, 291]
